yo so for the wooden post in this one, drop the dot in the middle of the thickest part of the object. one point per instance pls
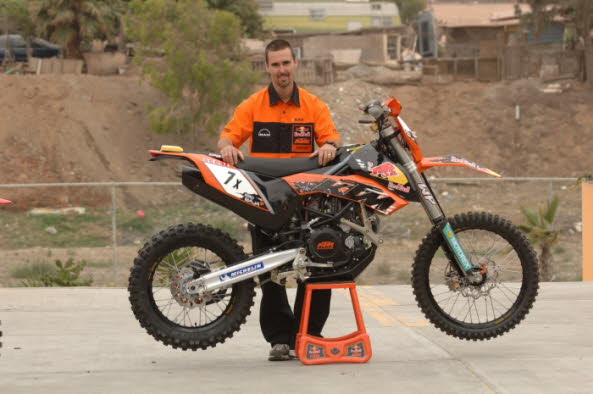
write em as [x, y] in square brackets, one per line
[587, 231]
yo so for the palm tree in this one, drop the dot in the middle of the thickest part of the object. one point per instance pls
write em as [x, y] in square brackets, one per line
[72, 23]
[543, 232]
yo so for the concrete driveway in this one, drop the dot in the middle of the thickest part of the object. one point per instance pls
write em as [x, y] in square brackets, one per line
[86, 340]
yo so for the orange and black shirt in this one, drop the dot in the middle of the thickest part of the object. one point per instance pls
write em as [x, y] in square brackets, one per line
[281, 130]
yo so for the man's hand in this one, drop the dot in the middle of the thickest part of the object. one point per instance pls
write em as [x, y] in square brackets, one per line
[231, 155]
[326, 154]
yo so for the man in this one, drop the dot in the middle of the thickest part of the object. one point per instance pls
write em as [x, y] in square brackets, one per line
[282, 121]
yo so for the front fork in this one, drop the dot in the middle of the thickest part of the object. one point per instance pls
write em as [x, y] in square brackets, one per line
[453, 250]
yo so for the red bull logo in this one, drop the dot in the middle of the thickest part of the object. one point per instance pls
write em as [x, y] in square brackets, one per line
[385, 170]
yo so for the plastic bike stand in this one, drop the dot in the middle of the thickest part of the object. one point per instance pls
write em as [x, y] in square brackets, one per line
[351, 348]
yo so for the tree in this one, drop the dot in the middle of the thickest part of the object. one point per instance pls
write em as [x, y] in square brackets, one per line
[409, 9]
[202, 71]
[543, 232]
[576, 12]
[73, 23]
[246, 11]
[14, 17]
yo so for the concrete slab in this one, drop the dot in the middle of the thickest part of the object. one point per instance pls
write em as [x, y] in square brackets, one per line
[59, 340]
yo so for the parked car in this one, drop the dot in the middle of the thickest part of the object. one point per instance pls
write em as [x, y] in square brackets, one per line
[18, 46]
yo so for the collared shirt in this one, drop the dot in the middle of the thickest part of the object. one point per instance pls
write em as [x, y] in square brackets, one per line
[279, 129]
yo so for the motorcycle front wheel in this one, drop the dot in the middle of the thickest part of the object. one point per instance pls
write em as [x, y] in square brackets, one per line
[465, 308]
[157, 287]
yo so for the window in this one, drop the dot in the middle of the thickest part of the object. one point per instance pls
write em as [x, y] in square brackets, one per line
[317, 14]
[375, 6]
[381, 21]
[393, 45]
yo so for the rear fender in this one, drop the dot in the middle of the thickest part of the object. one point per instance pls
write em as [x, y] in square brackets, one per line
[453, 161]
[221, 176]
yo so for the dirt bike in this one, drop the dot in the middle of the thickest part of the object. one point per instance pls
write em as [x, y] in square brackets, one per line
[474, 276]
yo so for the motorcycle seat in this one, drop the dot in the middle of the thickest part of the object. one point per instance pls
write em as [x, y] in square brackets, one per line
[278, 167]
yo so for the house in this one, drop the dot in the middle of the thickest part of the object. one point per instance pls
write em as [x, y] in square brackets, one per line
[369, 45]
[489, 41]
[468, 30]
[328, 16]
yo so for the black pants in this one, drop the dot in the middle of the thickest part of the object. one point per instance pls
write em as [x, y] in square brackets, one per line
[278, 322]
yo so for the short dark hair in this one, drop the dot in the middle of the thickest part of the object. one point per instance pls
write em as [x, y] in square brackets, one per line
[278, 45]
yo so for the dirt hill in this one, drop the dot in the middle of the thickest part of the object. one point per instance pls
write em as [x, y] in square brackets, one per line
[68, 128]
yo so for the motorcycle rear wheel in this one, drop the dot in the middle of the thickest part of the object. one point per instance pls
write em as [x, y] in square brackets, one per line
[178, 254]
[495, 305]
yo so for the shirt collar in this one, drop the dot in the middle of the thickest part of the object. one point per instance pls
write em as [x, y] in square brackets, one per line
[275, 97]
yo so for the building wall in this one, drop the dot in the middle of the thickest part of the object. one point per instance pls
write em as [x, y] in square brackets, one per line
[304, 24]
[374, 46]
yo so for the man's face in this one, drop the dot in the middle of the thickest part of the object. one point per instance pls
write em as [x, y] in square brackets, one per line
[281, 66]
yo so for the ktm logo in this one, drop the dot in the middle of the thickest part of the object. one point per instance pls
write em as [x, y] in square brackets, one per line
[325, 245]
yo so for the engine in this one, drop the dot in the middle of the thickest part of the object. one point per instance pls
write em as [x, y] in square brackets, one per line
[335, 242]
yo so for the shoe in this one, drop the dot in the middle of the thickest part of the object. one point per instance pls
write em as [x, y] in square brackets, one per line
[280, 352]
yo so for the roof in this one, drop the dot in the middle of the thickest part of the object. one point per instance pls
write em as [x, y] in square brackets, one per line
[477, 15]
[331, 8]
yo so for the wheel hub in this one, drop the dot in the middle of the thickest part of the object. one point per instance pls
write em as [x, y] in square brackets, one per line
[181, 278]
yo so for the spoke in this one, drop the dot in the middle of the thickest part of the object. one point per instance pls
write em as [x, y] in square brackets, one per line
[164, 299]
[476, 309]
[167, 307]
[218, 305]
[505, 294]
[207, 312]
[169, 264]
[468, 311]
[156, 291]
[188, 317]
[175, 320]
[493, 308]
[501, 304]
[455, 302]
[448, 301]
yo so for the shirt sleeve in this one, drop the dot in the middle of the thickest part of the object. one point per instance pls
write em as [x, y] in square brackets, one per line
[240, 128]
[325, 130]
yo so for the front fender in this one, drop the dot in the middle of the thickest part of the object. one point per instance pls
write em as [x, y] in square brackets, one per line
[453, 161]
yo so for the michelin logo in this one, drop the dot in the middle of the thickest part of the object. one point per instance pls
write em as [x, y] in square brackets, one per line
[242, 271]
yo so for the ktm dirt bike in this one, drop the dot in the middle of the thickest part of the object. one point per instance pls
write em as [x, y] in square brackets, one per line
[475, 275]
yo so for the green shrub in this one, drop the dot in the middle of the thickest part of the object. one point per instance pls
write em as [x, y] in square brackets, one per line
[65, 274]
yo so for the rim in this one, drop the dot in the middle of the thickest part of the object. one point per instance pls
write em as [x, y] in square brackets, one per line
[166, 288]
[493, 298]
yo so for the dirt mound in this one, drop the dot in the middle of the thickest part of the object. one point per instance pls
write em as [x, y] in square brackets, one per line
[477, 121]
[79, 128]
[76, 128]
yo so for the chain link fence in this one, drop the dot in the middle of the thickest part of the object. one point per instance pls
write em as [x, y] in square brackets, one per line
[105, 224]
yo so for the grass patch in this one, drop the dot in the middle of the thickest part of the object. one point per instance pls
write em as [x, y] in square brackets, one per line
[32, 271]
[90, 230]
[99, 264]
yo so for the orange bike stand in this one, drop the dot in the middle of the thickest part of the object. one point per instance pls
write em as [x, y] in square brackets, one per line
[351, 348]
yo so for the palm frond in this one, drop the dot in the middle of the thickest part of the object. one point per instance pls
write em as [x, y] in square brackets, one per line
[551, 209]
[530, 215]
